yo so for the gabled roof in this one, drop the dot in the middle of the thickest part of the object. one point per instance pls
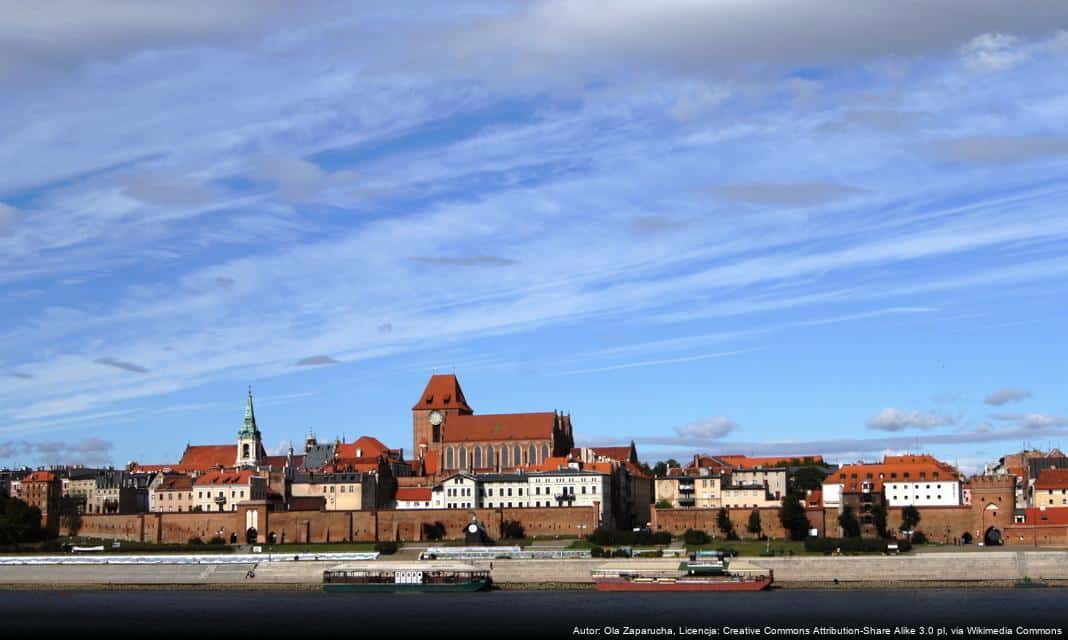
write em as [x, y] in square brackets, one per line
[502, 426]
[208, 456]
[443, 392]
[622, 454]
[40, 476]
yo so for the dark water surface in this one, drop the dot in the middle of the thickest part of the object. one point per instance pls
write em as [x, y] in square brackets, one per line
[506, 614]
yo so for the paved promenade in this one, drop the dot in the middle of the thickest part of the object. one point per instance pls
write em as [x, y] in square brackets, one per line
[995, 567]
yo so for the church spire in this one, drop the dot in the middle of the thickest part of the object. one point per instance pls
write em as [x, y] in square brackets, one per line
[249, 428]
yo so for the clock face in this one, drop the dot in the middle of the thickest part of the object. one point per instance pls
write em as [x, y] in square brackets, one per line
[435, 418]
[473, 528]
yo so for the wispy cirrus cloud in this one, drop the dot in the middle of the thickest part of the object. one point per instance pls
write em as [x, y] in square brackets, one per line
[707, 428]
[121, 364]
[88, 451]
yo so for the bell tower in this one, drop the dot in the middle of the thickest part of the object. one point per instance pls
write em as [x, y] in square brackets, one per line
[441, 398]
[250, 452]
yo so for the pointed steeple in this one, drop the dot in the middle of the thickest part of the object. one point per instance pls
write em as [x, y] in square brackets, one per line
[249, 428]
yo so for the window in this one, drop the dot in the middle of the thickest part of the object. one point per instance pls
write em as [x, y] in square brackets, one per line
[477, 458]
[463, 457]
[449, 458]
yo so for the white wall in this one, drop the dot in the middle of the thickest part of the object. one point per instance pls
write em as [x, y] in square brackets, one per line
[922, 494]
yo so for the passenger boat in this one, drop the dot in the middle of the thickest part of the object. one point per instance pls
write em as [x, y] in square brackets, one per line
[416, 577]
[660, 575]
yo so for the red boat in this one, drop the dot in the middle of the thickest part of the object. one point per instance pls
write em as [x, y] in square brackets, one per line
[656, 575]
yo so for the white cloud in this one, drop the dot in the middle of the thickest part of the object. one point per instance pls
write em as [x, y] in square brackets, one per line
[1006, 395]
[992, 52]
[892, 419]
[707, 428]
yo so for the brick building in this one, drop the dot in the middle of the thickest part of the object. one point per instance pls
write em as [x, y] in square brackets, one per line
[448, 436]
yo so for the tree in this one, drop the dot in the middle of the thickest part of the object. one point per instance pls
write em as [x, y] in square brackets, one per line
[71, 515]
[910, 517]
[661, 468]
[512, 529]
[19, 522]
[793, 517]
[849, 523]
[754, 526]
[878, 516]
[807, 478]
[695, 537]
[723, 521]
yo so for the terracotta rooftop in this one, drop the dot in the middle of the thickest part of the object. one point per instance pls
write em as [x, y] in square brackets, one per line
[40, 476]
[501, 426]
[892, 469]
[365, 445]
[1052, 479]
[421, 494]
[443, 392]
[224, 477]
[208, 456]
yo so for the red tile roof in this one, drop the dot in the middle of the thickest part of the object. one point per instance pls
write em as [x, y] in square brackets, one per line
[739, 461]
[366, 445]
[502, 426]
[443, 392]
[615, 453]
[892, 469]
[225, 477]
[1052, 479]
[421, 494]
[40, 476]
[208, 456]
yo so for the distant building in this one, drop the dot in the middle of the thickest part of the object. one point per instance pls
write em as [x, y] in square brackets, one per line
[340, 490]
[1051, 488]
[448, 436]
[171, 493]
[224, 490]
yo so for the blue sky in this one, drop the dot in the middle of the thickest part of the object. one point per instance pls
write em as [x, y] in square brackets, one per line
[759, 227]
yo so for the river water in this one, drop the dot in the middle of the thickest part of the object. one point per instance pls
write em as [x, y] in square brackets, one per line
[506, 614]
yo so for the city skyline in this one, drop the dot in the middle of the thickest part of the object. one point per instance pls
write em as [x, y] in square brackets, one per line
[695, 229]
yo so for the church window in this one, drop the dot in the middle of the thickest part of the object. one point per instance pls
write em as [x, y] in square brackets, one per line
[516, 456]
[463, 457]
[489, 456]
[477, 458]
[244, 450]
[504, 456]
[532, 455]
[544, 452]
[448, 458]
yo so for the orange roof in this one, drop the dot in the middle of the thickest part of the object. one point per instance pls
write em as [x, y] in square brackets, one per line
[421, 494]
[746, 462]
[366, 445]
[150, 467]
[1052, 479]
[225, 477]
[432, 462]
[501, 426]
[443, 392]
[40, 476]
[635, 470]
[208, 456]
[892, 469]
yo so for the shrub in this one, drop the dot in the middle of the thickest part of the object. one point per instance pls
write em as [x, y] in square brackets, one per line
[195, 540]
[695, 537]
[664, 504]
[597, 552]
[386, 548]
[919, 537]
[512, 529]
[604, 537]
[621, 553]
[217, 540]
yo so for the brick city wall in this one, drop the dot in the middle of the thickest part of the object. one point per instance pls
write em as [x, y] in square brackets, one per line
[336, 526]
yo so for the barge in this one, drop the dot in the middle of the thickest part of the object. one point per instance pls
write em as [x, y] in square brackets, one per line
[661, 575]
[412, 577]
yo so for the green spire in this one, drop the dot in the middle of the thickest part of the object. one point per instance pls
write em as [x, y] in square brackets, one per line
[249, 428]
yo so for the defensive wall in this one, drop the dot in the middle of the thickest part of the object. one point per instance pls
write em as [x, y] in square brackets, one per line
[334, 526]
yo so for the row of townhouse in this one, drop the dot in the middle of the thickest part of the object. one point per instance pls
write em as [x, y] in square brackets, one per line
[566, 487]
[731, 481]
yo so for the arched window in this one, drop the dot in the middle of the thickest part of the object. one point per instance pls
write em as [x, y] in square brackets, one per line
[448, 458]
[463, 457]
[477, 458]
[244, 450]
[517, 456]
[532, 455]
[489, 457]
[504, 456]
[544, 452]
